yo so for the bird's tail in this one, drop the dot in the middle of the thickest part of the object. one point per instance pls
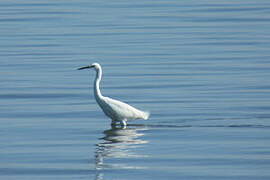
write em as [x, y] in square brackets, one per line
[145, 115]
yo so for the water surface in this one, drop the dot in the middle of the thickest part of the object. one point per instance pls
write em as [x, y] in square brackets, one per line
[201, 68]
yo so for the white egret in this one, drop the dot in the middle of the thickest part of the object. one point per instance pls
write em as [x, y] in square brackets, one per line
[116, 110]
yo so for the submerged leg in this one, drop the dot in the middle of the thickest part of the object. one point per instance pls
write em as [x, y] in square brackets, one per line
[113, 123]
[123, 123]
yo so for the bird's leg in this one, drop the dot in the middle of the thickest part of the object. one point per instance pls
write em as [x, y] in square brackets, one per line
[123, 123]
[113, 123]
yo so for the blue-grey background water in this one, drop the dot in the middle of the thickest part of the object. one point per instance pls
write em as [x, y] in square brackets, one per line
[200, 67]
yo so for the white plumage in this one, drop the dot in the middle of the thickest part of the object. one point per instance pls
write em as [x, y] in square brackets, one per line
[116, 110]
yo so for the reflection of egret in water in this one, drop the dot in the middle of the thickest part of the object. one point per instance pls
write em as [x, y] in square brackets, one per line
[118, 143]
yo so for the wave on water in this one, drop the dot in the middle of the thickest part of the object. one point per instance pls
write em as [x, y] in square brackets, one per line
[199, 126]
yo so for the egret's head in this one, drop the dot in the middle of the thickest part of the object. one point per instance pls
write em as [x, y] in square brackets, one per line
[94, 65]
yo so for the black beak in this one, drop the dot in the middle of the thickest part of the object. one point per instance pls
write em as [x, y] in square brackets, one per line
[85, 67]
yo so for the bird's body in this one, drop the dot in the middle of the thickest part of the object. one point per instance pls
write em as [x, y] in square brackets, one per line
[116, 110]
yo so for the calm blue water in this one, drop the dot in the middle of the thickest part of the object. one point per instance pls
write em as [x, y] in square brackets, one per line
[201, 67]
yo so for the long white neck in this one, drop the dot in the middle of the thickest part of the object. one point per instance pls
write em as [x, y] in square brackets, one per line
[97, 92]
